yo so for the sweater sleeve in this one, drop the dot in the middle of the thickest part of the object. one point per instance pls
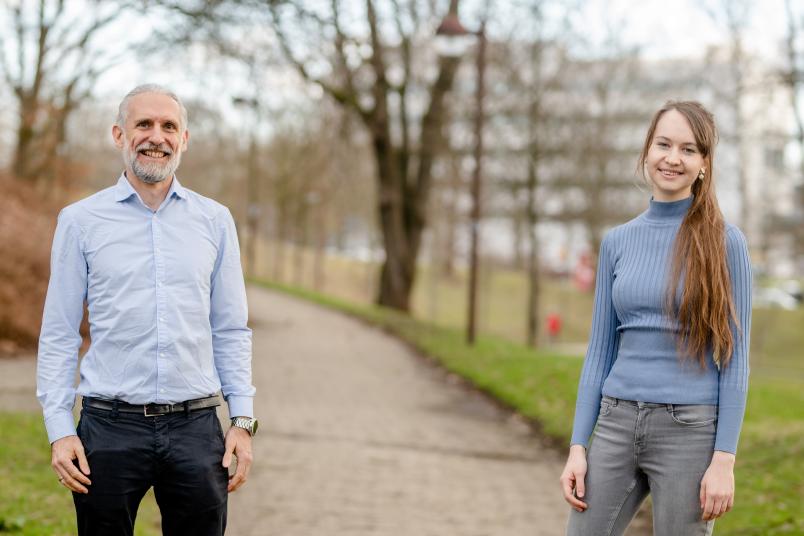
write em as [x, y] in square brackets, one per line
[602, 350]
[733, 384]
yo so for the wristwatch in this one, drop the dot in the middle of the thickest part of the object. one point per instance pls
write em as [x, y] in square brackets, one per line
[246, 423]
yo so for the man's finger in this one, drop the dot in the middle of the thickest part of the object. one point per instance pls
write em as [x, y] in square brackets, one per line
[227, 456]
[72, 470]
[71, 483]
[236, 480]
[83, 464]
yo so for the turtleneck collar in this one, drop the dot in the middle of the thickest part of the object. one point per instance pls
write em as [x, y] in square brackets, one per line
[668, 212]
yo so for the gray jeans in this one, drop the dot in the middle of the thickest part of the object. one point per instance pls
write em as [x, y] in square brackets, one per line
[640, 448]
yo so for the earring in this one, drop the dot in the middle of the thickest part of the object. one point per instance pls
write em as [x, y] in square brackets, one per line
[701, 175]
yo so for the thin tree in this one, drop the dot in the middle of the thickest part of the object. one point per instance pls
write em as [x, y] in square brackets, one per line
[794, 79]
[50, 58]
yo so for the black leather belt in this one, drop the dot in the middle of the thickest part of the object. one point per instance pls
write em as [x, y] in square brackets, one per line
[152, 410]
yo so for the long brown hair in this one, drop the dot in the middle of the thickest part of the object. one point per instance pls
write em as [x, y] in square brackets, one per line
[705, 309]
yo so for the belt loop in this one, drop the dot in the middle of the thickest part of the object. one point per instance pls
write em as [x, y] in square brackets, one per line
[115, 412]
[187, 409]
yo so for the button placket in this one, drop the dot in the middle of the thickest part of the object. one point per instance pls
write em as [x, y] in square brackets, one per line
[161, 301]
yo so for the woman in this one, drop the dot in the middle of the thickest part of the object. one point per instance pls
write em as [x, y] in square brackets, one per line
[666, 370]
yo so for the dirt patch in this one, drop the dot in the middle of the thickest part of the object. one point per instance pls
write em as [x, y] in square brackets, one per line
[18, 384]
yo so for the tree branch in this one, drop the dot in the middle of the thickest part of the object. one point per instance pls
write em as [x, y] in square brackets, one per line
[345, 97]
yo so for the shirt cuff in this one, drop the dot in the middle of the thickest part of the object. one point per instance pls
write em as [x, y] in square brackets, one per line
[241, 406]
[60, 425]
[731, 409]
[587, 408]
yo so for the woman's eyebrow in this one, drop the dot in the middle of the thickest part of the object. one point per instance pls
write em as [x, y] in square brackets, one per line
[682, 143]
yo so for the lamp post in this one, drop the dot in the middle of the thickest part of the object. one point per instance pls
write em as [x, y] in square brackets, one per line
[453, 42]
[252, 186]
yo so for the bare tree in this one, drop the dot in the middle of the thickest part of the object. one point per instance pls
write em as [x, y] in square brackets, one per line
[734, 15]
[378, 88]
[50, 58]
[375, 62]
[794, 79]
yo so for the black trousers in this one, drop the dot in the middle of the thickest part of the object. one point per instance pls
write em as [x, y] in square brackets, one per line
[178, 454]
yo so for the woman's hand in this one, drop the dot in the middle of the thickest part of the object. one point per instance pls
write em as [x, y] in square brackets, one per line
[572, 478]
[717, 486]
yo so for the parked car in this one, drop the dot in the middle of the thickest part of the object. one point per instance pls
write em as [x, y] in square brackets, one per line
[777, 296]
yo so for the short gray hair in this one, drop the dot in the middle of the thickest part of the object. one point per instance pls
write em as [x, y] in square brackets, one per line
[122, 110]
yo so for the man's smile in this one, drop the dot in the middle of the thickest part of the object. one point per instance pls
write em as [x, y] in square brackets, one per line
[155, 153]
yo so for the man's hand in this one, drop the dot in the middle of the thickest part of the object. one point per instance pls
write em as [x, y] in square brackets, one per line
[717, 486]
[572, 478]
[238, 442]
[63, 452]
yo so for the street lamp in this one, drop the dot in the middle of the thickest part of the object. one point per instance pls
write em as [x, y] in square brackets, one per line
[452, 39]
[252, 186]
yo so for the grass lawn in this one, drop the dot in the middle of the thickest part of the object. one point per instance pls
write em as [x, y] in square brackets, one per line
[541, 386]
[32, 502]
[777, 340]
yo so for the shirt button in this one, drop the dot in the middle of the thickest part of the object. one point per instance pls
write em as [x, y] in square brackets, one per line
[161, 319]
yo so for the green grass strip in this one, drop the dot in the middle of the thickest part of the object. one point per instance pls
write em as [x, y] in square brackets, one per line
[32, 502]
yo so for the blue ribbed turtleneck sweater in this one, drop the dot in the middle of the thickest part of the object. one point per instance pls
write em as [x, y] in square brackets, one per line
[632, 353]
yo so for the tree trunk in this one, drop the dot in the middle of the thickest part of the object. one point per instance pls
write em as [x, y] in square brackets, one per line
[25, 137]
[533, 245]
[320, 244]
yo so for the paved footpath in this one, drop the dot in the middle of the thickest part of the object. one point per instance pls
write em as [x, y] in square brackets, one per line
[361, 437]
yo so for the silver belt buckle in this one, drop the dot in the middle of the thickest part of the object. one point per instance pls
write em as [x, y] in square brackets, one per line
[145, 411]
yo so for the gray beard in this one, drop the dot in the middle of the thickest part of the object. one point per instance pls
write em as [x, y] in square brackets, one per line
[152, 173]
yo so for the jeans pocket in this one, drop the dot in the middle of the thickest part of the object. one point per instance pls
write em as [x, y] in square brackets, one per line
[693, 414]
[605, 408]
[218, 429]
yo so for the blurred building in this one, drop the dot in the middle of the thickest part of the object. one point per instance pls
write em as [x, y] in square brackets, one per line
[584, 122]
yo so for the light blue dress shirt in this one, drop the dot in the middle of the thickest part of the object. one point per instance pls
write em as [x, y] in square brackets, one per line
[166, 299]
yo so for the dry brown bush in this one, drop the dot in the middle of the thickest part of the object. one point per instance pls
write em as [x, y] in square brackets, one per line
[27, 222]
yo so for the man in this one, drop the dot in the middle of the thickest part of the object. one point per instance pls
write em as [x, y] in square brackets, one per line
[159, 268]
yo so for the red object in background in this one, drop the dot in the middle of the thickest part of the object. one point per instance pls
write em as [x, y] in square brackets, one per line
[553, 325]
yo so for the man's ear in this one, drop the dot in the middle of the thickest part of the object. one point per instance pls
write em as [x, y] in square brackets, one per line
[117, 136]
[185, 138]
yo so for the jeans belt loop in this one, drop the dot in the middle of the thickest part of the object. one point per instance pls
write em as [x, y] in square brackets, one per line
[186, 408]
[115, 411]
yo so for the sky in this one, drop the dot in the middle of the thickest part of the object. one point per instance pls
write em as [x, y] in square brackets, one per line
[673, 28]
[661, 28]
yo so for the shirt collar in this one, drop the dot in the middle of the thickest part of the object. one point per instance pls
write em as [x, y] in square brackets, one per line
[124, 190]
[668, 211]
